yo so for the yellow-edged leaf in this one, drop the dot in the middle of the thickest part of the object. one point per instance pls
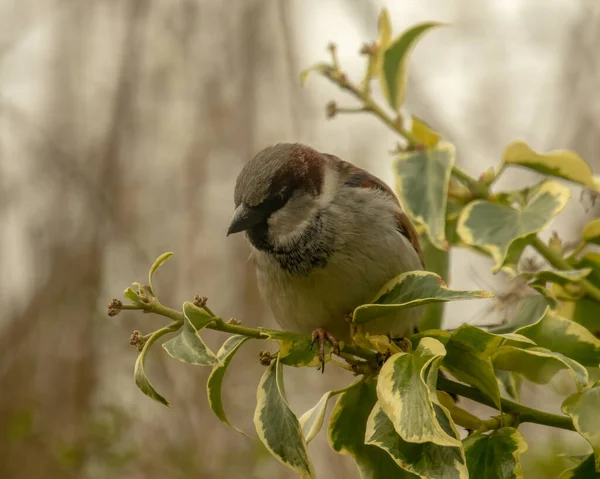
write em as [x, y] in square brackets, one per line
[495, 227]
[560, 163]
[583, 407]
[411, 289]
[277, 426]
[422, 179]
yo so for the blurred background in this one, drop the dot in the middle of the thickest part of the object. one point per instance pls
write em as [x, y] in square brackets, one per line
[123, 125]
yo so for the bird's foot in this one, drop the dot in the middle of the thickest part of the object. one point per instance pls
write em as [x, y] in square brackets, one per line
[321, 336]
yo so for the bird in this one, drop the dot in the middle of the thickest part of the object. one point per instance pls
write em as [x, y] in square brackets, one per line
[325, 237]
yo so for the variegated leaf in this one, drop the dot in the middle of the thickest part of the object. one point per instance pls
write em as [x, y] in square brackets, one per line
[214, 385]
[538, 364]
[408, 290]
[583, 407]
[495, 455]
[564, 336]
[277, 426]
[188, 346]
[406, 389]
[494, 227]
[560, 163]
[422, 179]
[428, 460]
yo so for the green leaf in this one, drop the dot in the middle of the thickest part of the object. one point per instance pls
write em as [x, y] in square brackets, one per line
[406, 389]
[347, 428]
[157, 264]
[139, 372]
[438, 262]
[395, 60]
[427, 460]
[312, 420]
[468, 359]
[538, 364]
[591, 232]
[560, 163]
[214, 386]
[426, 135]
[422, 179]
[132, 296]
[585, 470]
[188, 346]
[558, 277]
[384, 28]
[511, 383]
[319, 67]
[198, 317]
[277, 426]
[531, 309]
[408, 290]
[563, 336]
[295, 349]
[583, 408]
[494, 227]
[496, 455]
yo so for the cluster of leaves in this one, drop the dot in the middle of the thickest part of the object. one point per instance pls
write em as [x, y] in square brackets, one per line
[400, 418]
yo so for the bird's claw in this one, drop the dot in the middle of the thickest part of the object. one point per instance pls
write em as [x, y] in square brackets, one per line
[321, 336]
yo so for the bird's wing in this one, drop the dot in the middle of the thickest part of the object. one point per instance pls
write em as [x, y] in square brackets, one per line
[359, 178]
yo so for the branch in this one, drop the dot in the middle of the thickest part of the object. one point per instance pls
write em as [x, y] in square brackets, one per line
[338, 77]
[524, 413]
[562, 264]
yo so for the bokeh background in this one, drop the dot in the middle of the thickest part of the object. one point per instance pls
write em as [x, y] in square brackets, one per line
[123, 124]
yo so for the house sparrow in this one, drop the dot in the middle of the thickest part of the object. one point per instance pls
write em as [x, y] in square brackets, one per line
[325, 237]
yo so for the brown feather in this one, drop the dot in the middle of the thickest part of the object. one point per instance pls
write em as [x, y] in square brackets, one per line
[357, 177]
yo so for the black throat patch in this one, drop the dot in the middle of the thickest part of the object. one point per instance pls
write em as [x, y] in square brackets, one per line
[310, 250]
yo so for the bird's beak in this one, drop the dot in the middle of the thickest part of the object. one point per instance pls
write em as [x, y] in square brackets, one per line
[244, 218]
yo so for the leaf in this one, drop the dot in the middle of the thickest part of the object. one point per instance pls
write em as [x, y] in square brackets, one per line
[495, 456]
[585, 470]
[277, 426]
[468, 359]
[531, 309]
[426, 135]
[560, 163]
[384, 28]
[312, 420]
[422, 179]
[346, 433]
[438, 262]
[132, 296]
[198, 317]
[295, 349]
[591, 232]
[538, 364]
[406, 389]
[188, 346]
[563, 336]
[495, 227]
[558, 277]
[214, 386]
[408, 290]
[511, 382]
[427, 460]
[157, 264]
[582, 407]
[395, 60]
[139, 372]
[319, 67]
